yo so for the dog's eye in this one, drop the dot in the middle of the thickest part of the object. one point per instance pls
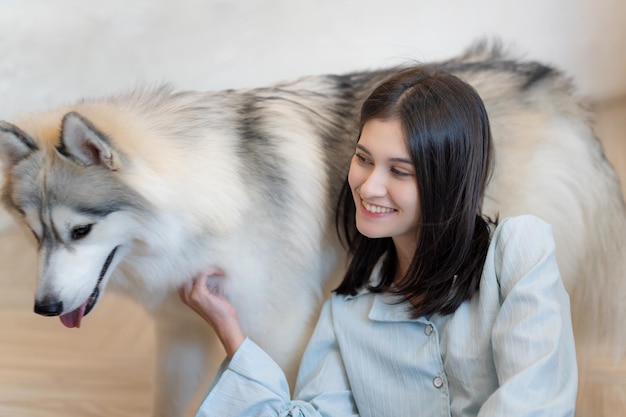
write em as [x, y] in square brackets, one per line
[80, 232]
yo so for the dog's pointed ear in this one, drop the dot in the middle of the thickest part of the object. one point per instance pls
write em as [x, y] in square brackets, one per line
[84, 143]
[15, 145]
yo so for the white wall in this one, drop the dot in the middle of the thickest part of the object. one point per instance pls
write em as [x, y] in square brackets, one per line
[55, 51]
[52, 51]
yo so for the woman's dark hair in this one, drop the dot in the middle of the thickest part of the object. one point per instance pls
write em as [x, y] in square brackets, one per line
[449, 141]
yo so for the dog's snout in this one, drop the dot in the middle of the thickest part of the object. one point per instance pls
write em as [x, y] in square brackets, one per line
[49, 308]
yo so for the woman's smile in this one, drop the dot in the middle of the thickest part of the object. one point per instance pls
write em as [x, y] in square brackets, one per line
[376, 210]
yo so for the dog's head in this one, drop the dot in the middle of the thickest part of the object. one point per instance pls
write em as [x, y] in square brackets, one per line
[67, 190]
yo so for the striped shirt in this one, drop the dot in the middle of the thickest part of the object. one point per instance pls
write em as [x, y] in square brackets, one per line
[509, 351]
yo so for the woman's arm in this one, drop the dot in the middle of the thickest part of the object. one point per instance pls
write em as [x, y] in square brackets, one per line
[214, 308]
[532, 339]
[252, 384]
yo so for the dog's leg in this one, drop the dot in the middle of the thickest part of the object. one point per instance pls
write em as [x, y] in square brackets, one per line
[188, 354]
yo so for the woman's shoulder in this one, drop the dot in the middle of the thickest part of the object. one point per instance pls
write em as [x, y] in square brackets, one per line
[522, 228]
[519, 244]
[342, 306]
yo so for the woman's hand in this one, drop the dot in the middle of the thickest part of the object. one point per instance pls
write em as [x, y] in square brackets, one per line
[214, 308]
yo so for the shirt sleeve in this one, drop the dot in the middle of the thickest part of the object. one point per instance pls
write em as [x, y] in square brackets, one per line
[252, 384]
[322, 379]
[533, 342]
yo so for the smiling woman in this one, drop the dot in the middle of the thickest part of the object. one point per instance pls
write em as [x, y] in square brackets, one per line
[424, 151]
[479, 304]
[383, 184]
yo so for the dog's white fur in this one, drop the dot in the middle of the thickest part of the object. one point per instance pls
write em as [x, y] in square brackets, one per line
[187, 195]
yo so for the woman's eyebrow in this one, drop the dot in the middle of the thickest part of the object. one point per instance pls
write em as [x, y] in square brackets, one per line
[363, 148]
[395, 159]
[402, 160]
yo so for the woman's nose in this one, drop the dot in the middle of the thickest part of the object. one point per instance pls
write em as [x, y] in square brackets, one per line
[375, 185]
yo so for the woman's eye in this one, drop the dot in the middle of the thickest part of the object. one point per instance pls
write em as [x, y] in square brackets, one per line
[80, 232]
[400, 173]
[360, 158]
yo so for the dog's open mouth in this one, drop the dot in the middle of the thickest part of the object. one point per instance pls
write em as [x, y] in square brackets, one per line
[73, 318]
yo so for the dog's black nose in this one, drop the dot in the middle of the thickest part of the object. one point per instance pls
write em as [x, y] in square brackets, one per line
[49, 308]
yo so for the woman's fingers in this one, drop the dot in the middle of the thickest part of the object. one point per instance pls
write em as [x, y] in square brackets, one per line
[202, 295]
[211, 272]
[199, 286]
[185, 290]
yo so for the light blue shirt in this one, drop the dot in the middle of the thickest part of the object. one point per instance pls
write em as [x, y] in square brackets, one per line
[509, 351]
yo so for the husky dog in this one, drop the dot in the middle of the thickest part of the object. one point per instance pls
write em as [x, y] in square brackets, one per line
[143, 190]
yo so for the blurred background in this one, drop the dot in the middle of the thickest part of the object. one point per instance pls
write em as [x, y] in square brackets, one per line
[57, 51]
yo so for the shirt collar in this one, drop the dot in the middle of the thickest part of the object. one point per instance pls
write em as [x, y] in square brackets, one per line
[386, 308]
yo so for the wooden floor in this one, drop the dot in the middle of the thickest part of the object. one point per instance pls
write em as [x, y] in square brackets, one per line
[105, 368]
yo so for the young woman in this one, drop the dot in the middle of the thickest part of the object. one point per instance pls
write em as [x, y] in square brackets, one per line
[441, 311]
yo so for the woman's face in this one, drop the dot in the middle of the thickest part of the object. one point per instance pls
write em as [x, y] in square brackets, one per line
[383, 184]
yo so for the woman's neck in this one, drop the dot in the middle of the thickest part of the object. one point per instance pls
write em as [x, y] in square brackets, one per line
[404, 258]
[405, 249]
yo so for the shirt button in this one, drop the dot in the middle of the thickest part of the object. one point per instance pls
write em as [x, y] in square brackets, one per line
[428, 330]
[438, 382]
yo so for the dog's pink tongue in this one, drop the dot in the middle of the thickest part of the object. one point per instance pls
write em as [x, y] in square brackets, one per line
[73, 318]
